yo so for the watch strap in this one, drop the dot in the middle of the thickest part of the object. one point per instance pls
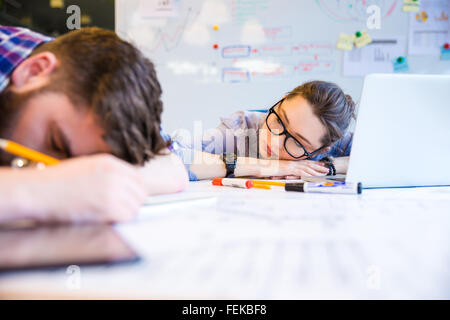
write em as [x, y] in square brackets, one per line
[230, 160]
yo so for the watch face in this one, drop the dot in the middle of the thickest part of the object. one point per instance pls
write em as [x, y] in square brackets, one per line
[230, 158]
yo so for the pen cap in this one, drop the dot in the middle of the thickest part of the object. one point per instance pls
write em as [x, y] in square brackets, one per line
[217, 182]
[294, 187]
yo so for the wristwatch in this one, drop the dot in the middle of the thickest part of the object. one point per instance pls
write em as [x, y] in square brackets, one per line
[230, 160]
[331, 168]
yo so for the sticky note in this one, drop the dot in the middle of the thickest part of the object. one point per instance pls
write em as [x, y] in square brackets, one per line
[445, 52]
[362, 38]
[401, 64]
[345, 42]
[411, 5]
[57, 4]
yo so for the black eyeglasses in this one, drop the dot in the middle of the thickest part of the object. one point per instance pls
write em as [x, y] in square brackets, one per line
[292, 146]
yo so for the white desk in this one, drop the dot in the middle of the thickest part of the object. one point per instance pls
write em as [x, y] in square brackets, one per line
[257, 244]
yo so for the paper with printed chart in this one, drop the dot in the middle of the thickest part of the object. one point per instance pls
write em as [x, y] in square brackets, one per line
[159, 8]
[376, 57]
[429, 27]
[271, 244]
[382, 244]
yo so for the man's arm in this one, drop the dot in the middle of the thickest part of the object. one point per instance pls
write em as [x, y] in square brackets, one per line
[98, 188]
[164, 174]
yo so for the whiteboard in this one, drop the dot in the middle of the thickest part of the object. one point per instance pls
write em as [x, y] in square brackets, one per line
[260, 50]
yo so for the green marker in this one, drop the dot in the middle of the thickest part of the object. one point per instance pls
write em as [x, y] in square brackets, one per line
[358, 34]
[400, 59]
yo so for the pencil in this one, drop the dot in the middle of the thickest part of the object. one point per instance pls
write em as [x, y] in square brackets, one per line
[261, 186]
[24, 152]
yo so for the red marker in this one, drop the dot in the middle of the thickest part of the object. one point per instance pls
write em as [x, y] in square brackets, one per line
[446, 46]
[215, 46]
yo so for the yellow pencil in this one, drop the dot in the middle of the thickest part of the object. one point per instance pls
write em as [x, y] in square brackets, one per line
[261, 186]
[269, 183]
[24, 152]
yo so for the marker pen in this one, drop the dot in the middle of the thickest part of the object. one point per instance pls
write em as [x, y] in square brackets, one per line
[326, 187]
[237, 183]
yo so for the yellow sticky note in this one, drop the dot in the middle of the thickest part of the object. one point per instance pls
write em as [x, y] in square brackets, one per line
[411, 5]
[57, 4]
[86, 19]
[362, 38]
[345, 42]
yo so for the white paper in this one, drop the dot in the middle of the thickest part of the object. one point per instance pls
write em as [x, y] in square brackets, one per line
[159, 8]
[261, 244]
[182, 198]
[376, 57]
[294, 245]
[429, 28]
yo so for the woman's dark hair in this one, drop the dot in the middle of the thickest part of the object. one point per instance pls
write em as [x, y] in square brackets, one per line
[334, 108]
[117, 83]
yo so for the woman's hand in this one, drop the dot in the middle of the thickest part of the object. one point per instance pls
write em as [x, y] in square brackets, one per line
[288, 169]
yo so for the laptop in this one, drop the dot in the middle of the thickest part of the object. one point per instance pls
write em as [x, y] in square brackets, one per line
[402, 133]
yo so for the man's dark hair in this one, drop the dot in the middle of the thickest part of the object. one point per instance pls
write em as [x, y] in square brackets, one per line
[334, 108]
[117, 83]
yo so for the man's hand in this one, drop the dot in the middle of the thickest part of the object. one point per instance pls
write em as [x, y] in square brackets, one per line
[164, 174]
[98, 188]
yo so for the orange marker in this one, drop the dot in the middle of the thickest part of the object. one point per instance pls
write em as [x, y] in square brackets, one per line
[24, 152]
[269, 183]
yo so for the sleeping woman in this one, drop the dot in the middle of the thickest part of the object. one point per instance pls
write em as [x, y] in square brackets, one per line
[303, 134]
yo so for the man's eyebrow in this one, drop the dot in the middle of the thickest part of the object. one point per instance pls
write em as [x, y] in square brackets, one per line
[65, 144]
[283, 113]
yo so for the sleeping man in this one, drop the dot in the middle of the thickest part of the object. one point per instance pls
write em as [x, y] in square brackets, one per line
[93, 99]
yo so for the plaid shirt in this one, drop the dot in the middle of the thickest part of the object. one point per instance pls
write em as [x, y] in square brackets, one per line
[16, 44]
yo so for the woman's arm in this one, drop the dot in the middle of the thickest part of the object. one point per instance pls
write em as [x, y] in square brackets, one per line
[208, 166]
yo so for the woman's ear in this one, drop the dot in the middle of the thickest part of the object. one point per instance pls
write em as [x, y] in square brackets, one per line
[34, 72]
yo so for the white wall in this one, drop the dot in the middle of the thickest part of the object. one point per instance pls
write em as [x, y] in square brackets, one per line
[191, 71]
